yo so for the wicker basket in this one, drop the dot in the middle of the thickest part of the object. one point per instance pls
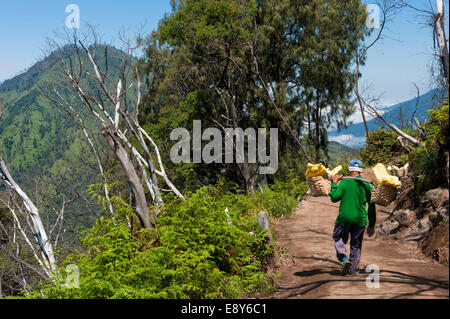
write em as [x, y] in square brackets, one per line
[319, 186]
[383, 195]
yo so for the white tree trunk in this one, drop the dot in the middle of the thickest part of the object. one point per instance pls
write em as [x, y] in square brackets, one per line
[38, 227]
[147, 219]
[117, 114]
[442, 41]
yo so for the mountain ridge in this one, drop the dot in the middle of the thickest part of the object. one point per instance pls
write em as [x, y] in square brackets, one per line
[35, 136]
[398, 114]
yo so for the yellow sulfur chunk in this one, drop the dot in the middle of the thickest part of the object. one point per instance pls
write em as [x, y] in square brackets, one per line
[320, 170]
[334, 171]
[390, 168]
[383, 177]
[316, 170]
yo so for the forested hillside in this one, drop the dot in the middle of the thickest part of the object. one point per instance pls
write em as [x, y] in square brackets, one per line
[45, 149]
[37, 138]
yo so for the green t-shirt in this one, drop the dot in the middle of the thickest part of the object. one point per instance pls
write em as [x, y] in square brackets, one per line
[353, 196]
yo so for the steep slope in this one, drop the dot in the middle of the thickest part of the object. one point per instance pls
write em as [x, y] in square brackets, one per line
[36, 138]
[339, 151]
[45, 150]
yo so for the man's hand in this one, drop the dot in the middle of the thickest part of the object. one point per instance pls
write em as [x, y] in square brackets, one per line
[370, 231]
[337, 178]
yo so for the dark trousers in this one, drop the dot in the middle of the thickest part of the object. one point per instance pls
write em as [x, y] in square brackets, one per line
[340, 237]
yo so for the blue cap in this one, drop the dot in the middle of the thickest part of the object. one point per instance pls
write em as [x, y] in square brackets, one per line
[355, 166]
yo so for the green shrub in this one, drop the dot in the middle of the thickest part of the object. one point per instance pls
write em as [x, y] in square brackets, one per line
[281, 198]
[437, 126]
[423, 163]
[426, 161]
[275, 203]
[208, 246]
[381, 147]
[291, 185]
[196, 251]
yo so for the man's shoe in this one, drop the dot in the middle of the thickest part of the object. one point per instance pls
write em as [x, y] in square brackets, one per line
[346, 267]
[354, 273]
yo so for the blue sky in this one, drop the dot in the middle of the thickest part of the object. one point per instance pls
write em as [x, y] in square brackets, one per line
[392, 65]
[25, 25]
[403, 56]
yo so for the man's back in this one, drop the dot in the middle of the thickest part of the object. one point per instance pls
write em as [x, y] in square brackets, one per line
[353, 196]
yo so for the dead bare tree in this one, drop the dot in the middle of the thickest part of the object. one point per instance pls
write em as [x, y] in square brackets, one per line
[33, 234]
[414, 122]
[434, 18]
[27, 222]
[388, 9]
[32, 216]
[107, 102]
[439, 28]
[61, 102]
[377, 113]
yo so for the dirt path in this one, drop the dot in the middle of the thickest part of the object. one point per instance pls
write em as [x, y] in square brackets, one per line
[314, 272]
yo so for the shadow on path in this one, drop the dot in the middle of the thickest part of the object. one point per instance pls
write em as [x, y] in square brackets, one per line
[420, 285]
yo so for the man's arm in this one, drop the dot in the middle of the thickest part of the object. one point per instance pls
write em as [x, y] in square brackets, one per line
[371, 211]
[336, 191]
[372, 220]
[372, 215]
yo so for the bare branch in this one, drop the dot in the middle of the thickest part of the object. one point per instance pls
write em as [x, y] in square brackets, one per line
[25, 237]
[392, 126]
